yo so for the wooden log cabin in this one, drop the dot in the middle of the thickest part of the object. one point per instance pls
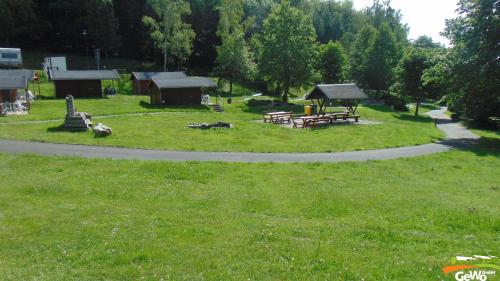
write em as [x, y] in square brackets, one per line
[11, 81]
[179, 92]
[141, 80]
[82, 83]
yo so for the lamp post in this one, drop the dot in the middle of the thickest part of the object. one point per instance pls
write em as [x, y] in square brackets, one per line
[84, 33]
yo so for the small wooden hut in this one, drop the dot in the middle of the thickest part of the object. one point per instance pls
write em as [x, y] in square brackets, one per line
[81, 83]
[11, 81]
[142, 80]
[184, 91]
[347, 93]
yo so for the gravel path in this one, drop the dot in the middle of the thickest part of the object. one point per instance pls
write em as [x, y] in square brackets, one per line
[457, 136]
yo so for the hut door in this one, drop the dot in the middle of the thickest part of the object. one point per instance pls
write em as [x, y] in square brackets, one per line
[7, 95]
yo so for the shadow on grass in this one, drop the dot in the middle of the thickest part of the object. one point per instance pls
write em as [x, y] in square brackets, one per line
[61, 129]
[381, 108]
[259, 110]
[481, 147]
[413, 118]
[41, 97]
[148, 105]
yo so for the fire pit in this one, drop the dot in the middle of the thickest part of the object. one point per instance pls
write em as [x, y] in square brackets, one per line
[205, 126]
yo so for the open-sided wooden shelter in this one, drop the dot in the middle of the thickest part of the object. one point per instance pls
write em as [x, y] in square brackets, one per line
[142, 80]
[81, 83]
[182, 91]
[323, 94]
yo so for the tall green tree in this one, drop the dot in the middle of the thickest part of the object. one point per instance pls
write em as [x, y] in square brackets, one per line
[332, 62]
[102, 25]
[409, 76]
[380, 13]
[204, 20]
[257, 11]
[287, 48]
[18, 21]
[381, 56]
[426, 42]
[233, 57]
[169, 31]
[422, 72]
[475, 36]
[131, 31]
[334, 19]
[358, 53]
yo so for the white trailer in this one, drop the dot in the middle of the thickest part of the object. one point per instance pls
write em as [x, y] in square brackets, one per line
[11, 57]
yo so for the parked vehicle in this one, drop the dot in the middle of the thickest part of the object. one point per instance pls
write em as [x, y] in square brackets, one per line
[11, 58]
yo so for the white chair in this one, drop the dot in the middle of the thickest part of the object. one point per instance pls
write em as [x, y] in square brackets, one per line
[22, 96]
[18, 107]
[6, 108]
[205, 99]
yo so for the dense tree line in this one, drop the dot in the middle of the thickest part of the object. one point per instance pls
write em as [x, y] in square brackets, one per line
[281, 44]
[117, 27]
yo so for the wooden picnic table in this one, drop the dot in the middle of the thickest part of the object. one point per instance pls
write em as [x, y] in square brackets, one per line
[313, 121]
[344, 116]
[316, 120]
[278, 117]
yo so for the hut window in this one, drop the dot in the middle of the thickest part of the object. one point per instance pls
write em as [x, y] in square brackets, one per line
[9, 56]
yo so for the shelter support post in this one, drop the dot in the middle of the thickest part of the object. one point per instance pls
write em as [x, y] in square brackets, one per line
[352, 109]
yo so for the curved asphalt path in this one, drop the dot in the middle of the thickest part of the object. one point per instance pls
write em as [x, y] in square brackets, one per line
[456, 136]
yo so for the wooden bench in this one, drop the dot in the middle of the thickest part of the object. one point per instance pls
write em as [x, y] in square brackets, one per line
[297, 122]
[355, 117]
[319, 121]
[344, 116]
[284, 118]
[278, 117]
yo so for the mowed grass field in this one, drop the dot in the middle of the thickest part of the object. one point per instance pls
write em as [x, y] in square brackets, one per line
[67, 218]
[80, 219]
[167, 128]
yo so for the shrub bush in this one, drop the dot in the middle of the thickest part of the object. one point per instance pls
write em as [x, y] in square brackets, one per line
[254, 102]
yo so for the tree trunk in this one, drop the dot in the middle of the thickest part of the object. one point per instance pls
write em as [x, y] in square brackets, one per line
[231, 85]
[417, 107]
[286, 89]
[165, 61]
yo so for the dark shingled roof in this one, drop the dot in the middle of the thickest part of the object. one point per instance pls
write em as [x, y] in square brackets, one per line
[141, 76]
[337, 92]
[189, 82]
[15, 78]
[13, 82]
[29, 74]
[85, 75]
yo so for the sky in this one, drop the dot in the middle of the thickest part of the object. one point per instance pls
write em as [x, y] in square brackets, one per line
[424, 17]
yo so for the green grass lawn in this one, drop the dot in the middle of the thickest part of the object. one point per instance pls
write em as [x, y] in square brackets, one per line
[77, 219]
[55, 109]
[169, 130]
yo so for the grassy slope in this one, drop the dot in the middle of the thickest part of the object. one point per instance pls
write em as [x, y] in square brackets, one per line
[75, 219]
[51, 109]
[169, 131]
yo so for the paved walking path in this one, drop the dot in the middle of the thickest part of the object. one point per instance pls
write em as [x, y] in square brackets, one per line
[457, 136]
